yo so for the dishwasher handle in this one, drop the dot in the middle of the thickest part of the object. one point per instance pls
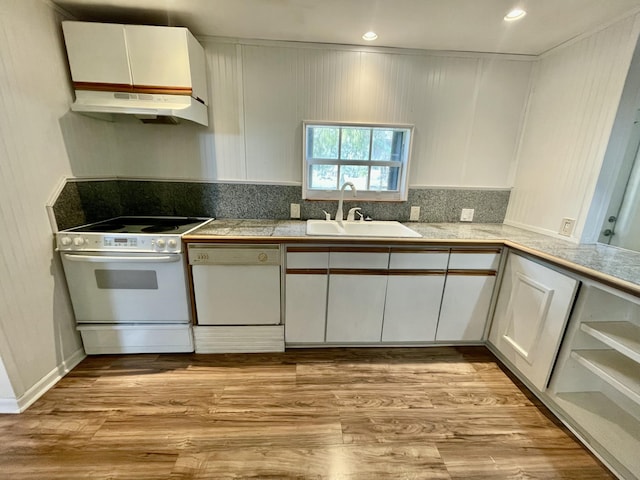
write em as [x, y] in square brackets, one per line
[112, 259]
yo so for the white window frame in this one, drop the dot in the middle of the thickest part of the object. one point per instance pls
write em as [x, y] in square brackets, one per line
[368, 195]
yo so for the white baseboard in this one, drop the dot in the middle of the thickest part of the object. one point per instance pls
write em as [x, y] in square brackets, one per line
[19, 405]
[9, 405]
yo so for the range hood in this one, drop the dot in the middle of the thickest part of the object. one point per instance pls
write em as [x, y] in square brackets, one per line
[155, 74]
[146, 107]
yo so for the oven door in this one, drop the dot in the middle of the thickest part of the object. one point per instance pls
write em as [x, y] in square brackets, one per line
[127, 287]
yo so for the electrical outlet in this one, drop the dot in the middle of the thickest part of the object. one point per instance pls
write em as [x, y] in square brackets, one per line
[467, 215]
[566, 227]
[295, 210]
[414, 216]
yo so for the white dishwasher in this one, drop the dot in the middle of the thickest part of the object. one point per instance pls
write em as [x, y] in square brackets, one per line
[236, 284]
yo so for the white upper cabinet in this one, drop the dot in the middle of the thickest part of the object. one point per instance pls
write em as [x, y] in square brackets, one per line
[167, 57]
[97, 53]
[159, 56]
[151, 59]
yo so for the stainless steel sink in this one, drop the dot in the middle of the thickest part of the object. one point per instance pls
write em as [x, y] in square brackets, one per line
[359, 229]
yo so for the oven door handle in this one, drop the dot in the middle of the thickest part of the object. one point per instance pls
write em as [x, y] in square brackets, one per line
[112, 259]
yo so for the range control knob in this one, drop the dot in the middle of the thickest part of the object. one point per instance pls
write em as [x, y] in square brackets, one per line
[65, 241]
[160, 243]
[172, 243]
[78, 241]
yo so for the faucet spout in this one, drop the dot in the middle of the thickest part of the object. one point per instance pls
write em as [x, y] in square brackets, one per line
[340, 213]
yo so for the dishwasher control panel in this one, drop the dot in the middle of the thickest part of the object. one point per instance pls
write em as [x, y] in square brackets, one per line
[234, 254]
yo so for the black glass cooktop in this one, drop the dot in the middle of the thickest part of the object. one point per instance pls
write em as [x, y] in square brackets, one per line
[164, 225]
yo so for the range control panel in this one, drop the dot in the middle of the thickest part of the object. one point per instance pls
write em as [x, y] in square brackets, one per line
[95, 242]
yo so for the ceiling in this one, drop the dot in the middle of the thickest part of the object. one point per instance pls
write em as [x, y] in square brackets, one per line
[461, 25]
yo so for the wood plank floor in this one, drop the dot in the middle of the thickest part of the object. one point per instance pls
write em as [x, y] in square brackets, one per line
[432, 413]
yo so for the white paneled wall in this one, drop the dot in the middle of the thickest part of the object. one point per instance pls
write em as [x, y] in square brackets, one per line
[575, 96]
[37, 330]
[462, 119]
[467, 110]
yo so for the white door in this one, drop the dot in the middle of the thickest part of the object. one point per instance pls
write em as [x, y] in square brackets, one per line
[533, 306]
[356, 307]
[159, 56]
[306, 294]
[357, 287]
[412, 307]
[414, 292]
[97, 53]
[465, 306]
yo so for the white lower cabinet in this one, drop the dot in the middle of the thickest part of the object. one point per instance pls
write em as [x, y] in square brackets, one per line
[356, 297]
[468, 292]
[356, 307]
[465, 306]
[389, 294]
[306, 294]
[533, 306]
[414, 292]
[412, 308]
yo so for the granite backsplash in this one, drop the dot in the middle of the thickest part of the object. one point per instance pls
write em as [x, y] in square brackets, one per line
[86, 201]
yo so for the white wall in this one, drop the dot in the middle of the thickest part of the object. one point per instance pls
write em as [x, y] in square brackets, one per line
[467, 110]
[37, 331]
[575, 96]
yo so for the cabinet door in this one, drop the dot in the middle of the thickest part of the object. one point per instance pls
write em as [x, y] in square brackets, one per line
[414, 291]
[97, 53]
[305, 308]
[159, 56]
[306, 294]
[412, 307]
[531, 313]
[465, 306]
[355, 307]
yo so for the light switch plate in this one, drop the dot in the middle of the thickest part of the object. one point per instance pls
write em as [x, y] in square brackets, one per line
[295, 210]
[566, 227]
[414, 215]
[467, 215]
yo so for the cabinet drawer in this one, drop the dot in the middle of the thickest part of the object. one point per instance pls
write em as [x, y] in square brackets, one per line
[418, 260]
[354, 258]
[308, 259]
[474, 259]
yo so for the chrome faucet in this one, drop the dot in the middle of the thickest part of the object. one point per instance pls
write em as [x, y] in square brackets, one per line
[340, 213]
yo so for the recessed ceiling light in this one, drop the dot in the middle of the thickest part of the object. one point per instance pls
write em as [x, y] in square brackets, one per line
[370, 36]
[515, 14]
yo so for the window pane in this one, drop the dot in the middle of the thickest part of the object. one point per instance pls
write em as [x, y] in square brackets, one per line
[324, 177]
[381, 145]
[323, 142]
[355, 143]
[384, 178]
[354, 174]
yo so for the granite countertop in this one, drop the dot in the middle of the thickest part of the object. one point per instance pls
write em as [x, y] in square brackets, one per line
[615, 266]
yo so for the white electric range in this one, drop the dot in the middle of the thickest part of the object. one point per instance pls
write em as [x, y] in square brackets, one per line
[127, 282]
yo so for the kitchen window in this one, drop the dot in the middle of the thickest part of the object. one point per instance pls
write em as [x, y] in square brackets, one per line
[374, 157]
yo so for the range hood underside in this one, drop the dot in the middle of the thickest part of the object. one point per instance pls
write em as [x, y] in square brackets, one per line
[149, 108]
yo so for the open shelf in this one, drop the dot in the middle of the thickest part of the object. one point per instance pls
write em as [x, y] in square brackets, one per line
[602, 419]
[619, 371]
[621, 336]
